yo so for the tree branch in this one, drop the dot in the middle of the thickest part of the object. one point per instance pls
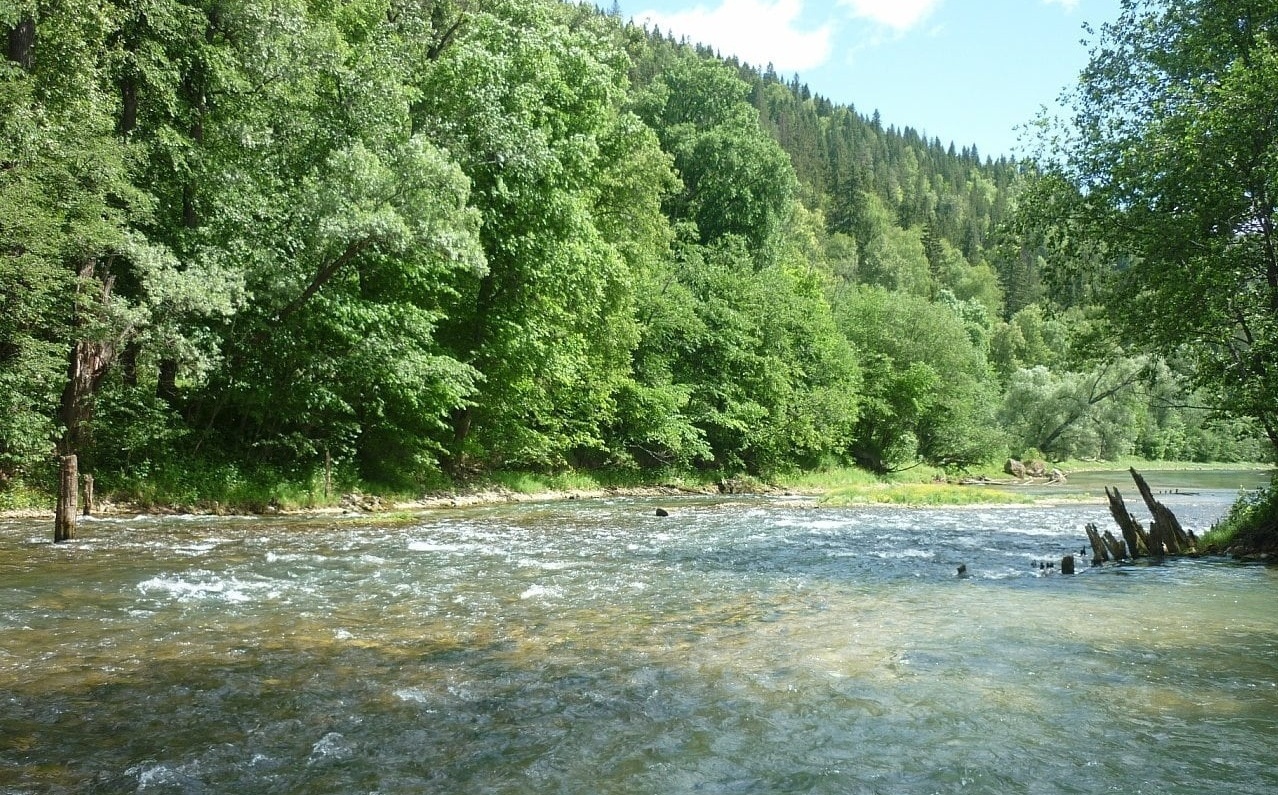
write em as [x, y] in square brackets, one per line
[322, 276]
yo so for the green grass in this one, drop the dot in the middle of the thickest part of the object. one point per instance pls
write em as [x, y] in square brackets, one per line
[227, 488]
[384, 519]
[532, 483]
[846, 477]
[921, 494]
[918, 486]
[540, 483]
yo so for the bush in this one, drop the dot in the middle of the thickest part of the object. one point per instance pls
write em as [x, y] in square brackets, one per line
[1250, 526]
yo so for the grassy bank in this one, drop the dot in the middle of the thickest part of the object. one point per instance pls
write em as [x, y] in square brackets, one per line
[918, 486]
[1250, 529]
[212, 488]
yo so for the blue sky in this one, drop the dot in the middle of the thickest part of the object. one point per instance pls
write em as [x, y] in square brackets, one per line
[966, 71]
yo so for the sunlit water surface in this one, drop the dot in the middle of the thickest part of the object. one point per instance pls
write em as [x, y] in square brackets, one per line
[748, 646]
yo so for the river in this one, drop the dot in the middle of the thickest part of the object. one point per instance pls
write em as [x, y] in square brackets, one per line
[744, 645]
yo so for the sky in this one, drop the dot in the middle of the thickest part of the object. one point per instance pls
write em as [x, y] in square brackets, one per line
[970, 72]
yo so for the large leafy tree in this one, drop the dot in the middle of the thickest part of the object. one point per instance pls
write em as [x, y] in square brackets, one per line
[347, 229]
[929, 392]
[737, 181]
[1173, 163]
[79, 279]
[529, 98]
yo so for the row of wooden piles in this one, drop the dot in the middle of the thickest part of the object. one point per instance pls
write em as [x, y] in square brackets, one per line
[1165, 537]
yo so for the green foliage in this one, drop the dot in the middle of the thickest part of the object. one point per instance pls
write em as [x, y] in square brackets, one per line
[1074, 414]
[769, 379]
[424, 242]
[550, 151]
[1169, 168]
[737, 181]
[211, 486]
[928, 389]
[1251, 524]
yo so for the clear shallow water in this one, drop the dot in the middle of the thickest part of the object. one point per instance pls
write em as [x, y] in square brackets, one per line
[751, 646]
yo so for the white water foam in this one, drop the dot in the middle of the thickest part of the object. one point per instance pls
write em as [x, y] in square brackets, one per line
[206, 586]
[542, 592]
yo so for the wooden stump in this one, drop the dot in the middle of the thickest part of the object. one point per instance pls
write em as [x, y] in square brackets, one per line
[88, 494]
[1100, 553]
[1170, 534]
[1117, 549]
[1138, 543]
[1067, 564]
[1164, 537]
[64, 514]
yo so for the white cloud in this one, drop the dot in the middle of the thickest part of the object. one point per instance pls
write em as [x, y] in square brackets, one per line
[1068, 5]
[758, 32]
[899, 15]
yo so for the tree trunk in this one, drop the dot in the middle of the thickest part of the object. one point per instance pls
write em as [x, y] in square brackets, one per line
[1117, 549]
[166, 382]
[20, 47]
[87, 364]
[461, 422]
[64, 514]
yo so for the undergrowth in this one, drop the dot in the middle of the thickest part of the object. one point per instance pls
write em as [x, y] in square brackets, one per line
[1250, 525]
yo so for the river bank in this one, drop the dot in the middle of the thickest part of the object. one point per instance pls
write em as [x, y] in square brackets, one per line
[1082, 483]
[1253, 535]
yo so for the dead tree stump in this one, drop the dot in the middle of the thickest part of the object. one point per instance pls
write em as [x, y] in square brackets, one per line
[1117, 549]
[1099, 553]
[64, 514]
[1164, 537]
[88, 494]
[1133, 532]
[1165, 524]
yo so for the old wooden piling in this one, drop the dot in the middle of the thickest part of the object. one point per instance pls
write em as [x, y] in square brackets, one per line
[1100, 553]
[1165, 535]
[68, 486]
[1165, 528]
[1133, 531]
[87, 479]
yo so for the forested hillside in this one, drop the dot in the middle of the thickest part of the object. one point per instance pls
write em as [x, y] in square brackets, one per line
[426, 240]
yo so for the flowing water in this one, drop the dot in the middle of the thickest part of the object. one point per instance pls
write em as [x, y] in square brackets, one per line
[758, 645]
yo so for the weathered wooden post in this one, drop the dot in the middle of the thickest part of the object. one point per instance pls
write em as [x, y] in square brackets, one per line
[1170, 532]
[64, 514]
[1099, 553]
[1138, 541]
[1117, 549]
[1067, 564]
[88, 494]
